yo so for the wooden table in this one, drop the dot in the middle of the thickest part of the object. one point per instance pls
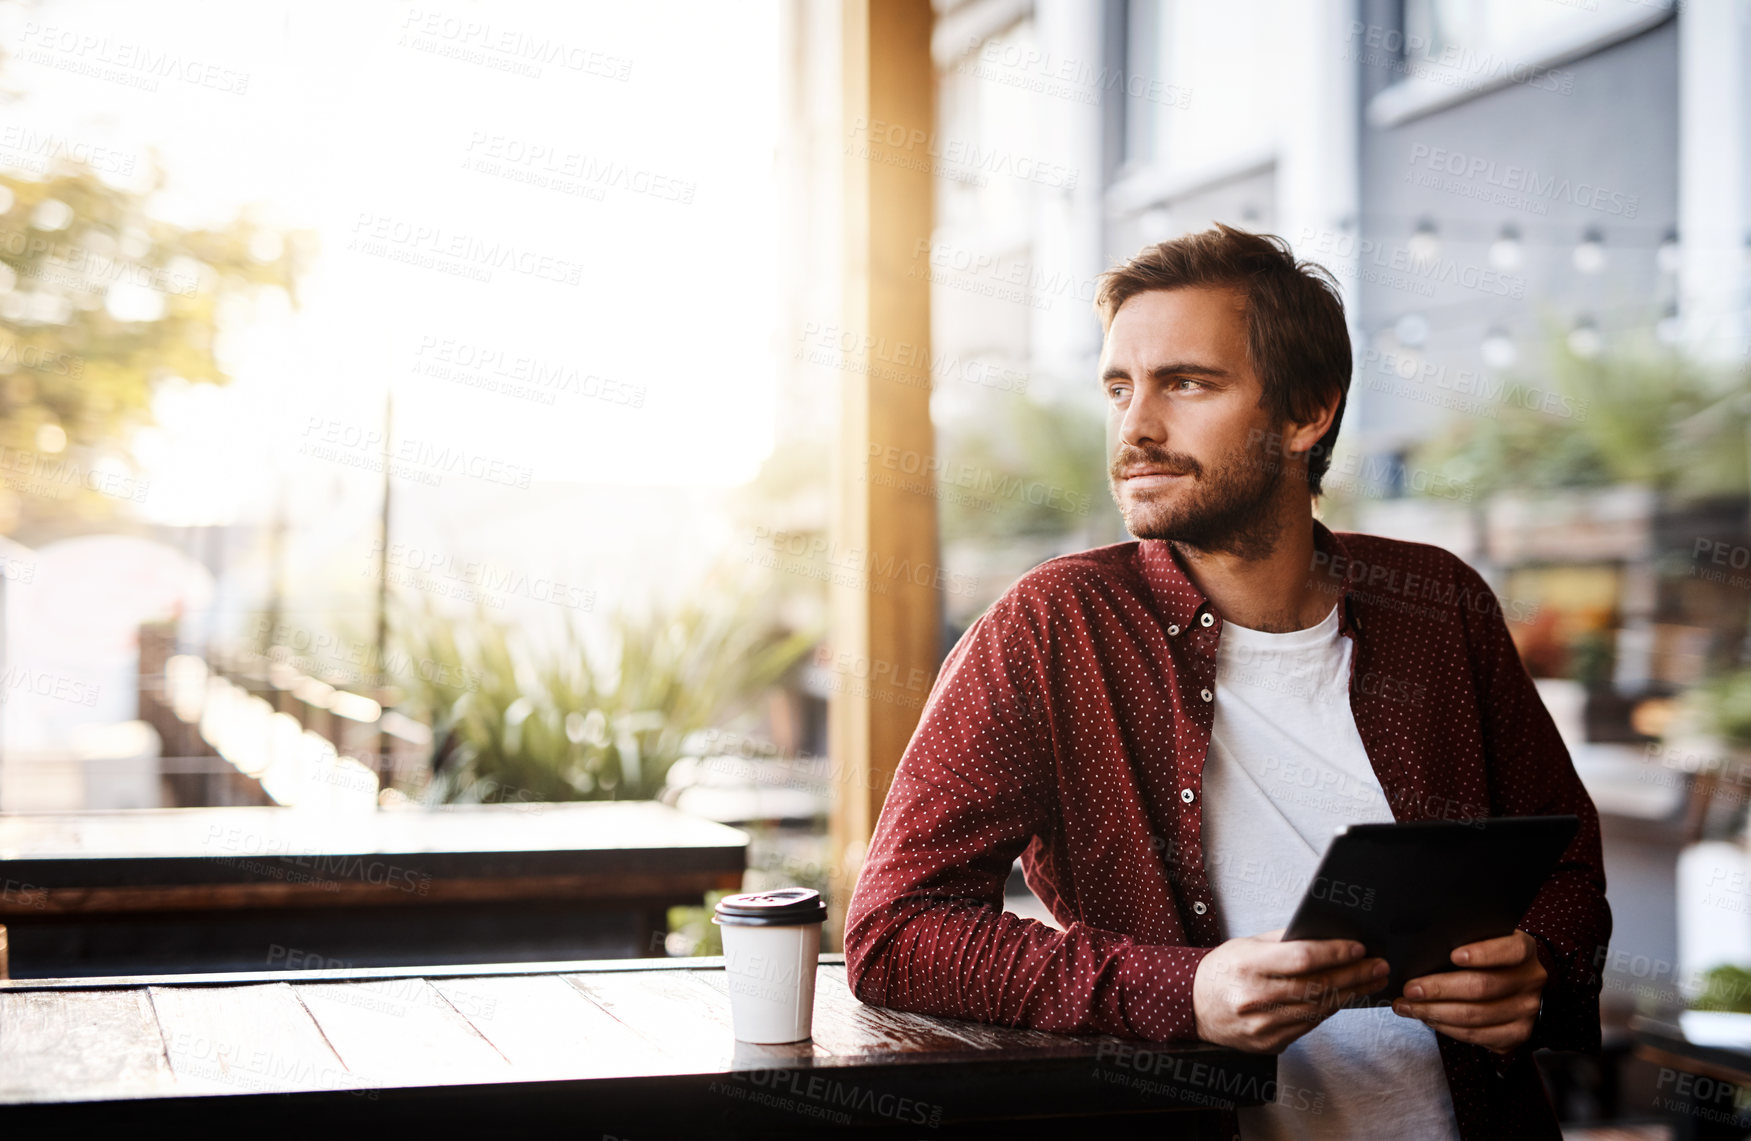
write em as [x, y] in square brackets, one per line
[1695, 1082]
[625, 1049]
[216, 889]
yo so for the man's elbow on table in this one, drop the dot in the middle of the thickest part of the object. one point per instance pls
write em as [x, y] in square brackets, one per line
[865, 949]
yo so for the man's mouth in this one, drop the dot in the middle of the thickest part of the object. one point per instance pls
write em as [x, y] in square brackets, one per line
[1139, 478]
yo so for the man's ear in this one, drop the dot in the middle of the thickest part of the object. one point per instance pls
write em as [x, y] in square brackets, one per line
[1300, 437]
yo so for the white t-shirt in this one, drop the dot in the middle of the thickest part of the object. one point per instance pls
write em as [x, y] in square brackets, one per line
[1286, 768]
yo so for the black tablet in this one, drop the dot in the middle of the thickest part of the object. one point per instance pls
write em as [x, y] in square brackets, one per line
[1412, 892]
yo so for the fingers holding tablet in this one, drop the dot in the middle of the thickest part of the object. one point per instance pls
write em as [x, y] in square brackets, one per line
[1259, 993]
[1491, 1001]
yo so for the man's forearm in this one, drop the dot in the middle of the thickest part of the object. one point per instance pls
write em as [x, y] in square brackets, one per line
[958, 959]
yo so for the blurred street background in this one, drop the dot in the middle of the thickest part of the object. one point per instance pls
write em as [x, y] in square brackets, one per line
[409, 405]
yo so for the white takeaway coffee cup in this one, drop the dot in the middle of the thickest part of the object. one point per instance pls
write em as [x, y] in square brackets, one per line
[772, 942]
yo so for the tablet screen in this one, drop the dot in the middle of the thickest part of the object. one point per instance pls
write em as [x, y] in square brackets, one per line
[1412, 892]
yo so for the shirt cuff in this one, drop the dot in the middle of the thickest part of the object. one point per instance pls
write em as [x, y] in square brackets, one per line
[1546, 959]
[1155, 988]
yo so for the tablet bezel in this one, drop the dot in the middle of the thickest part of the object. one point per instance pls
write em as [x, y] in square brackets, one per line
[1355, 887]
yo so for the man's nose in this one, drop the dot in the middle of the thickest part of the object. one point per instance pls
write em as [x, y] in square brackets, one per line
[1143, 423]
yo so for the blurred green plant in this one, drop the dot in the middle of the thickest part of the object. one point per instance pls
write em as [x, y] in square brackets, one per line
[101, 301]
[1724, 706]
[1592, 656]
[694, 926]
[1642, 414]
[1032, 468]
[1725, 988]
[514, 719]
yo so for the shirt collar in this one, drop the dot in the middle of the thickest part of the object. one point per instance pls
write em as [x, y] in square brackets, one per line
[1183, 605]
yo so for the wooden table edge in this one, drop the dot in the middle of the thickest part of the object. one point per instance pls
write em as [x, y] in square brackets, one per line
[365, 974]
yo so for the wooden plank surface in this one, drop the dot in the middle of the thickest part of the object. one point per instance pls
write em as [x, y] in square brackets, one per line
[411, 887]
[556, 1051]
[684, 1019]
[242, 833]
[846, 1026]
[547, 1028]
[345, 974]
[245, 1039]
[83, 1045]
[834, 991]
[399, 1032]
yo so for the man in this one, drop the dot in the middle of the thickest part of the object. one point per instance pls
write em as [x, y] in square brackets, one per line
[1167, 731]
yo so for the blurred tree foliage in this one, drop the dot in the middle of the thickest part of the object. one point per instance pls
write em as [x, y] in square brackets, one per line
[99, 302]
[1642, 415]
[512, 720]
[1030, 469]
[1724, 705]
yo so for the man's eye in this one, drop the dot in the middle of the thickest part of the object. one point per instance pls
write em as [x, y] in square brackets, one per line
[1118, 391]
[1186, 384]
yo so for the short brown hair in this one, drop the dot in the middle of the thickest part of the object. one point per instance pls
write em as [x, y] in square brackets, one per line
[1295, 335]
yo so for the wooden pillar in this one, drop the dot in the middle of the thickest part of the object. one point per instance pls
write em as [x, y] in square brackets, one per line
[885, 618]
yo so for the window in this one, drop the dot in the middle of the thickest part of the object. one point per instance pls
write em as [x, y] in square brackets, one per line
[1199, 89]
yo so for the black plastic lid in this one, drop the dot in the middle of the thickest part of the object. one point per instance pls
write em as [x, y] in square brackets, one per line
[781, 907]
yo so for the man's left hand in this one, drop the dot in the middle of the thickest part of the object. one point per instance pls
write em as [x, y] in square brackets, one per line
[1491, 1001]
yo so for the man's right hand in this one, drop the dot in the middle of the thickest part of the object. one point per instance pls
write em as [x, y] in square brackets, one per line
[1259, 993]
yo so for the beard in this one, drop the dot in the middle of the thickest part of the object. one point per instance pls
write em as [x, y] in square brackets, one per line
[1228, 509]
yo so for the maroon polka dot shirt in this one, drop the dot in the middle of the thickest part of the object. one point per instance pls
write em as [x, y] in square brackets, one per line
[1069, 727]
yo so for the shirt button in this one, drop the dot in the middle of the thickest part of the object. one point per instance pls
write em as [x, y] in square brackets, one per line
[1187, 795]
[1208, 619]
[1173, 629]
[1199, 907]
[1206, 695]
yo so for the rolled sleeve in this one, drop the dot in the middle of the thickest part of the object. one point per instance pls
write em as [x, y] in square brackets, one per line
[1531, 775]
[926, 930]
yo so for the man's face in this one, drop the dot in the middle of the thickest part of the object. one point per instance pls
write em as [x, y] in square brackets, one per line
[1191, 456]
